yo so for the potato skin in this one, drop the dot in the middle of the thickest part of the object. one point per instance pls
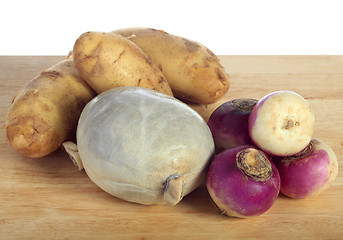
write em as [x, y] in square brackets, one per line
[45, 113]
[107, 60]
[192, 70]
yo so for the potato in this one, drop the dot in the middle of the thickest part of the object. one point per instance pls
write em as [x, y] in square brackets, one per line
[45, 113]
[107, 60]
[192, 70]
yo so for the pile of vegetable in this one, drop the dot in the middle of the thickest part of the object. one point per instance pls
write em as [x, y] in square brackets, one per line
[265, 147]
[125, 97]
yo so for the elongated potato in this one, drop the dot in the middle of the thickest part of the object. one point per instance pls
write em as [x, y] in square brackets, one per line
[107, 60]
[192, 70]
[45, 113]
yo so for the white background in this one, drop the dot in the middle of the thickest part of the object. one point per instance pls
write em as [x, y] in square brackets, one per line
[241, 27]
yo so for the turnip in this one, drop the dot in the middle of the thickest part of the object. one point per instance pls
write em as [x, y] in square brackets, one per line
[243, 182]
[143, 146]
[229, 123]
[281, 123]
[308, 172]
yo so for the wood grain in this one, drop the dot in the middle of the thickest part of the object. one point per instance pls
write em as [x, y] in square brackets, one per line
[49, 198]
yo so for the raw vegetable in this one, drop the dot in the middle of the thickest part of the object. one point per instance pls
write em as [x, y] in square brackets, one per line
[281, 123]
[243, 182]
[44, 114]
[229, 123]
[143, 146]
[310, 172]
[193, 72]
[107, 60]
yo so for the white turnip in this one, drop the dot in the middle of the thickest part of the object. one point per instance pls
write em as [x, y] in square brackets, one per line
[281, 123]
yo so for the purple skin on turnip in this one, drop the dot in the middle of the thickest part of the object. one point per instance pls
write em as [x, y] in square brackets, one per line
[229, 123]
[309, 172]
[281, 123]
[243, 182]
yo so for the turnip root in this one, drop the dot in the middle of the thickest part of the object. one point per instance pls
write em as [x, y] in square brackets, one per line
[309, 172]
[143, 146]
[281, 123]
[243, 182]
[229, 123]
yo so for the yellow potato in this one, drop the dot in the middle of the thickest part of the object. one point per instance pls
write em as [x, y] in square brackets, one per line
[192, 70]
[107, 60]
[45, 113]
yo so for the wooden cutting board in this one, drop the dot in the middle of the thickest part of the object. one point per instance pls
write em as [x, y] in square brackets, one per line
[49, 198]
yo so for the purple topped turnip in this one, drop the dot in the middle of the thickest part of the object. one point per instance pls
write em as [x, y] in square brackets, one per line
[243, 182]
[229, 123]
[308, 172]
[281, 123]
